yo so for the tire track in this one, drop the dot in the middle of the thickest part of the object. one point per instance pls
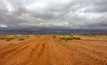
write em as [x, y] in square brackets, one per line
[40, 52]
[86, 53]
[4, 53]
[75, 57]
[60, 55]
[49, 51]
[20, 55]
[51, 55]
[92, 48]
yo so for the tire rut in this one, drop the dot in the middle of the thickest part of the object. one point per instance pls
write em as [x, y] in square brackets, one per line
[84, 52]
[50, 51]
[8, 50]
[28, 49]
[39, 53]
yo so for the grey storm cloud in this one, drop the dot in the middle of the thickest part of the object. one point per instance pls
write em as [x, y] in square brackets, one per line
[53, 14]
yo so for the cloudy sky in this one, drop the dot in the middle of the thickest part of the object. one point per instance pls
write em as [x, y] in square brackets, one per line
[36, 15]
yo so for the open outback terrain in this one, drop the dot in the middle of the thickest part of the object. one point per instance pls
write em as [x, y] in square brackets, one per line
[46, 50]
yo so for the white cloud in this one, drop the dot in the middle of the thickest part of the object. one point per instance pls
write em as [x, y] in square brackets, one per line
[69, 14]
[8, 5]
[1, 25]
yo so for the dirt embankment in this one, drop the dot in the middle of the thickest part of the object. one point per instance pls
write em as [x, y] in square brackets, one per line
[49, 51]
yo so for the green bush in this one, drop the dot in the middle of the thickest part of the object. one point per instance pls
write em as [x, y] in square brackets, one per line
[9, 39]
[64, 38]
[54, 37]
[77, 38]
[21, 39]
[70, 38]
[59, 39]
[41, 34]
[3, 38]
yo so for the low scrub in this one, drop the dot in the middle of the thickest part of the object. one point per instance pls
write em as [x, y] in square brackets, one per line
[21, 39]
[70, 38]
[54, 37]
[2, 38]
[9, 39]
[77, 38]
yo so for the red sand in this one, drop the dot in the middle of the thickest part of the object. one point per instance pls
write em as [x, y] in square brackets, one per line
[49, 51]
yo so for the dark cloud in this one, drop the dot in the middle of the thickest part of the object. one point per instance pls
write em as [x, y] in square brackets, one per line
[53, 15]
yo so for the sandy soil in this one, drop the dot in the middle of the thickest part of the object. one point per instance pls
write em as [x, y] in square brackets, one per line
[50, 51]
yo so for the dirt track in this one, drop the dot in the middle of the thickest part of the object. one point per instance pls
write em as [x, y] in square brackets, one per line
[49, 51]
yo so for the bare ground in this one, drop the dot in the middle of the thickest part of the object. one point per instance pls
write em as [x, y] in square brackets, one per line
[49, 51]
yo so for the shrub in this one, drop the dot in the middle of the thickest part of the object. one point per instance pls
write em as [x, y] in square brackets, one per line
[70, 38]
[59, 39]
[40, 33]
[66, 39]
[77, 38]
[21, 39]
[54, 37]
[3, 38]
[9, 39]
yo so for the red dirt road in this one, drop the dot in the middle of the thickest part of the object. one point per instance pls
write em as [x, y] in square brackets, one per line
[49, 51]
